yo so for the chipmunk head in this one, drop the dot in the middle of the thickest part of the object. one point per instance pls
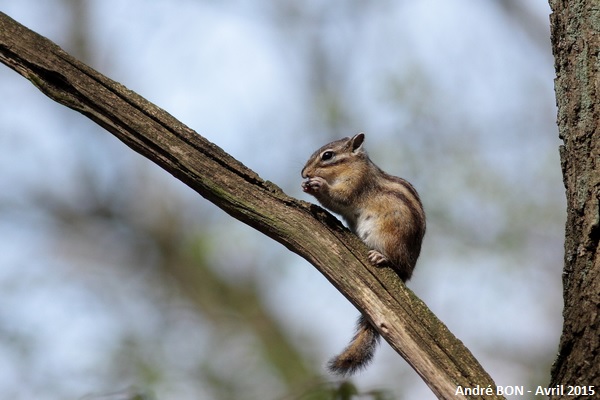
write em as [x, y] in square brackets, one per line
[331, 160]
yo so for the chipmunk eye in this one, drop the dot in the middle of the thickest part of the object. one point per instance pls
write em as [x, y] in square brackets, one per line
[328, 155]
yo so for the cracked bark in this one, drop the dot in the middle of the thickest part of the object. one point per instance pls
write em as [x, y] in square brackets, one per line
[576, 45]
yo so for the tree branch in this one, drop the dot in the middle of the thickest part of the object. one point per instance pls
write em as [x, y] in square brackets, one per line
[309, 231]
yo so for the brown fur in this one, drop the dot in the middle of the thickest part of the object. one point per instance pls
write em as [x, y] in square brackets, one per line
[383, 210]
[359, 352]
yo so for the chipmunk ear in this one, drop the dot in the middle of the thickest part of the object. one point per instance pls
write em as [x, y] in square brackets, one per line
[357, 141]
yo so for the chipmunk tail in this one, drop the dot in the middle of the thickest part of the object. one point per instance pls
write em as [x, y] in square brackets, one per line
[359, 352]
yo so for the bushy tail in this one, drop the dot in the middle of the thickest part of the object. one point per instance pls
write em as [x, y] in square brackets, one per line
[359, 352]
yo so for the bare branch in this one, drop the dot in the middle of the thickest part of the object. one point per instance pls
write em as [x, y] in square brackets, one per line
[306, 229]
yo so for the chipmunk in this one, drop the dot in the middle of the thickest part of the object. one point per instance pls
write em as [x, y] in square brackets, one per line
[383, 210]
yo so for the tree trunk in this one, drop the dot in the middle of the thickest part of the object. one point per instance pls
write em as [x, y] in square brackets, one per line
[444, 363]
[575, 26]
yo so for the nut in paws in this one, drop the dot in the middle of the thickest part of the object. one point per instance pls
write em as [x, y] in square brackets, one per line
[312, 185]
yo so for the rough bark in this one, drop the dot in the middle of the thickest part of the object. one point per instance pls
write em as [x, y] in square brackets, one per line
[403, 320]
[575, 29]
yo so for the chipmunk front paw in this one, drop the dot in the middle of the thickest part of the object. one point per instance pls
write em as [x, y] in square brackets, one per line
[313, 185]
